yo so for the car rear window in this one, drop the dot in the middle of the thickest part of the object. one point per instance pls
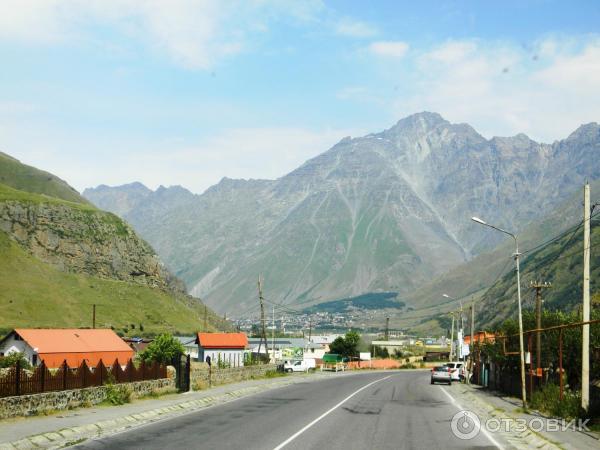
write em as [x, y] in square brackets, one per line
[440, 369]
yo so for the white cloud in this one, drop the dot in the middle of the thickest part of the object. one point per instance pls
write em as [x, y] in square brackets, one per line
[394, 49]
[355, 28]
[194, 33]
[503, 89]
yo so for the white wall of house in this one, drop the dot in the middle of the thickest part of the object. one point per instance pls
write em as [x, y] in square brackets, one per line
[312, 353]
[191, 350]
[233, 357]
[15, 344]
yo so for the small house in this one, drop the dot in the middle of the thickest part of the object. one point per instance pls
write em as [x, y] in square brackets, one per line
[222, 348]
[54, 346]
[189, 345]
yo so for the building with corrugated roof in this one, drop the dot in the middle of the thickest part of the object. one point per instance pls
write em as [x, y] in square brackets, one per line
[73, 345]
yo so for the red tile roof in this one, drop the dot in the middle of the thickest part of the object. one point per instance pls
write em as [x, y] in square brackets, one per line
[75, 345]
[222, 340]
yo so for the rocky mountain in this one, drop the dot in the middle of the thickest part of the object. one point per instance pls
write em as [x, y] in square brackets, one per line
[385, 212]
[60, 254]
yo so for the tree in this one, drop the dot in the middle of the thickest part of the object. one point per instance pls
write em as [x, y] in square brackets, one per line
[11, 359]
[162, 350]
[346, 346]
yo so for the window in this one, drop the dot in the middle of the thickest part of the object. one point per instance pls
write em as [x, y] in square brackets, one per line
[34, 360]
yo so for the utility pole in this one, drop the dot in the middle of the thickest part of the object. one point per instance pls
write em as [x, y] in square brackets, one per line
[94, 316]
[538, 286]
[472, 326]
[387, 329]
[273, 334]
[309, 329]
[205, 318]
[585, 353]
[472, 350]
[263, 334]
[452, 339]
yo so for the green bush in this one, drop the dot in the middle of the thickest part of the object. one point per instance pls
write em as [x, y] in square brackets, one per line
[117, 395]
[162, 350]
[11, 359]
[547, 399]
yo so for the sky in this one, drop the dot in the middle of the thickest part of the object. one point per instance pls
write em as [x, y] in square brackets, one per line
[186, 92]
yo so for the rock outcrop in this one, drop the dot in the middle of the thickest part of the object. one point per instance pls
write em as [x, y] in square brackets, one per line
[85, 240]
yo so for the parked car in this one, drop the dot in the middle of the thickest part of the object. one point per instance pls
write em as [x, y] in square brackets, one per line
[456, 370]
[441, 374]
[299, 366]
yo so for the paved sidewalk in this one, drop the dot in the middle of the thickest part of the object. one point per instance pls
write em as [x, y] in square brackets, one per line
[69, 427]
[500, 406]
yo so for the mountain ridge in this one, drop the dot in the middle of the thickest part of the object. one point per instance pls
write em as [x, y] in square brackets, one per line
[387, 211]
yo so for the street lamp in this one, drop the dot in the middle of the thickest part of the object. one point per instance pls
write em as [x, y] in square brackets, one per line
[452, 313]
[521, 348]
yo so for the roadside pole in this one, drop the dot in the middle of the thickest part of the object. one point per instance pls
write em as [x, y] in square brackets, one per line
[472, 349]
[585, 338]
[452, 339]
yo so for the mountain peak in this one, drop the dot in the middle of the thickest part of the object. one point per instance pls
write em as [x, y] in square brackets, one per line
[586, 131]
[424, 119]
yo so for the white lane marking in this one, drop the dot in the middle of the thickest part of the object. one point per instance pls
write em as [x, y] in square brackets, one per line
[483, 430]
[302, 430]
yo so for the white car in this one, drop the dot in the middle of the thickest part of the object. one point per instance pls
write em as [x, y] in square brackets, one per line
[456, 370]
[299, 366]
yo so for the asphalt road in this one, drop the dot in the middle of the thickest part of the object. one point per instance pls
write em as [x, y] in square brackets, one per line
[376, 410]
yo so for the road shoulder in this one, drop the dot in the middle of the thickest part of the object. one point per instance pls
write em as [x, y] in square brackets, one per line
[501, 411]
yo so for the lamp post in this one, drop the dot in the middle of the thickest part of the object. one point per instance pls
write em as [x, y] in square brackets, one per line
[521, 347]
[452, 332]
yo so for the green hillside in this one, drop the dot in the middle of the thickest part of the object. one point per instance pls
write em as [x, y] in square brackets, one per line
[59, 255]
[560, 263]
[473, 279]
[35, 294]
[26, 178]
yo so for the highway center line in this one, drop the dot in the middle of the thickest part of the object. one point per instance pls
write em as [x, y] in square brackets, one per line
[483, 430]
[298, 433]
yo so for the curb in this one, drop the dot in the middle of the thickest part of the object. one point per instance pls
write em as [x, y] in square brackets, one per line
[76, 435]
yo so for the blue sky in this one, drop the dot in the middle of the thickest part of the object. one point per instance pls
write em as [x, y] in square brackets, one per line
[186, 92]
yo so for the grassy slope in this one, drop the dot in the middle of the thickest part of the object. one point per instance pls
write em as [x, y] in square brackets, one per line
[560, 263]
[26, 178]
[35, 294]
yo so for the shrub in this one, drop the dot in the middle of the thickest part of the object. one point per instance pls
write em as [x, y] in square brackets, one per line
[162, 350]
[11, 359]
[117, 395]
[547, 399]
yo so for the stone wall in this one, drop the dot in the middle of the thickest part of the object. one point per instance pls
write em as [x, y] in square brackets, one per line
[200, 374]
[28, 405]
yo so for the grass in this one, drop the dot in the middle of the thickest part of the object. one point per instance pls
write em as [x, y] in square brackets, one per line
[26, 178]
[36, 294]
[8, 193]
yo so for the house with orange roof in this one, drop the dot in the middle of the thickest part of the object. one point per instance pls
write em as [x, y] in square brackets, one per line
[54, 346]
[227, 348]
[480, 337]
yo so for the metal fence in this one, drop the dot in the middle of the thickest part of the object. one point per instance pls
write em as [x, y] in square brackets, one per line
[18, 381]
[556, 359]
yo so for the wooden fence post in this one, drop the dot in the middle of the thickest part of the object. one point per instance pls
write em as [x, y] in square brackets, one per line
[100, 367]
[560, 362]
[42, 369]
[65, 368]
[18, 378]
